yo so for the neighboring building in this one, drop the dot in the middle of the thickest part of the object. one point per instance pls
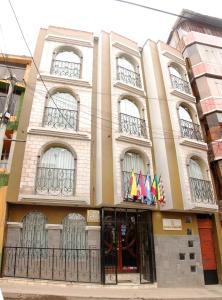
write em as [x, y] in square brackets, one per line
[109, 107]
[199, 38]
[12, 68]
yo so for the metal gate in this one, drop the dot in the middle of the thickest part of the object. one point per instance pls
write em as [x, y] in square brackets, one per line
[127, 245]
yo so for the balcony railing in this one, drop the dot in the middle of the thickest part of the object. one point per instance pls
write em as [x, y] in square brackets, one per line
[77, 265]
[62, 118]
[201, 191]
[127, 187]
[180, 84]
[66, 69]
[133, 125]
[55, 181]
[190, 130]
[128, 77]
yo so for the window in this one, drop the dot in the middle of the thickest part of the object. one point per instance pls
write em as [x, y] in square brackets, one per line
[178, 79]
[132, 161]
[61, 111]
[188, 128]
[56, 172]
[74, 232]
[128, 72]
[34, 233]
[130, 119]
[195, 169]
[66, 63]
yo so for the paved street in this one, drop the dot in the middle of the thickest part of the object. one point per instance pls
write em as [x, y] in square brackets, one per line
[36, 290]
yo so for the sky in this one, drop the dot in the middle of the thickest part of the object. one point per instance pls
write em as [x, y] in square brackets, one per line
[136, 23]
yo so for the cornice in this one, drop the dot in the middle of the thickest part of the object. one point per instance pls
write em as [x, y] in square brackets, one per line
[128, 88]
[15, 225]
[68, 40]
[63, 80]
[174, 57]
[134, 140]
[126, 49]
[56, 133]
[182, 95]
[194, 144]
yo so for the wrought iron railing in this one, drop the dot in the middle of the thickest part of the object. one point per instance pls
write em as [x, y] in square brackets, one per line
[201, 191]
[77, 265]
[180, 84]
[128, 77]
[61, 118]
[132, 125]
[55, 181]
[127, 187]
[66, 69]
[190, 130]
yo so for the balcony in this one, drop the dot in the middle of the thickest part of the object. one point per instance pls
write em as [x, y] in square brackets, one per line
[190, 130]
[60, 119]
[201, 191]
[127, 187]
[66, 69]
[129, 77]
[180, 84]
[55, 181]
[133, 125]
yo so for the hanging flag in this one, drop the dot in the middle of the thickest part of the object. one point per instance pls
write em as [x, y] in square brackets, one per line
[148, 189]
[133, 184]
[141, 185]
[162, 193]
[155, 190]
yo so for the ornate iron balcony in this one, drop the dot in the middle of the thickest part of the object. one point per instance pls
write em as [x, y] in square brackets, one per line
[190, 130]
[67, 119]
[180, 84]
[66, 69]
[127, 186]
[201, 191]
[132, 125]
[55, 181]
[128, 77]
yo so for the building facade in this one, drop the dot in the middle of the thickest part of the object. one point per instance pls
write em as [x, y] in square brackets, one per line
[199, 39]
[101, 107]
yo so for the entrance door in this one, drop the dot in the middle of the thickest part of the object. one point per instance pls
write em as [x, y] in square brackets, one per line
[205, 227]
[127, 246]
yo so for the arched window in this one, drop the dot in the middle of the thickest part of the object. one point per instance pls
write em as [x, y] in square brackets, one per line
[178, 79]
[74, 232]
[34, 233]
[56, 172]
[66, 63]
[132, 161]
[201, 188]
[189, 129]
[128, 72]
[61, 111]
[130, 119]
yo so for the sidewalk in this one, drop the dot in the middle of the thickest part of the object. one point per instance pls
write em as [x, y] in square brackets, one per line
[48, 290]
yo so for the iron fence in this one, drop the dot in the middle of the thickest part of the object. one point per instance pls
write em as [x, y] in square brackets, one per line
[66, 69]
[77, 265]
[133, 125]
[190, 130]
[201, 191]
[180, 84]
[61, 118]
[55, 181]
[128, 77]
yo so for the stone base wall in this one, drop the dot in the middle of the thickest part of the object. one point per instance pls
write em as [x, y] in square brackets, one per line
[178, 261]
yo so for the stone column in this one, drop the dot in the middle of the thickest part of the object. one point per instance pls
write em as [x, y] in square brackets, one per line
[13, 236]
[54, 231]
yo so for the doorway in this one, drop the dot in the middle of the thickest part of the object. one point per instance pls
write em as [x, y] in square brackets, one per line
[127, 246]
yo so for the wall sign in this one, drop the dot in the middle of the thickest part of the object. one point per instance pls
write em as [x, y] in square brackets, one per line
[172, 224]
[93, 215]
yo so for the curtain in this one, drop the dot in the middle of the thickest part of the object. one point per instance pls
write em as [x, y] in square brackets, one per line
[184, 114]
[34, 233]
[134, 161]
[195, 169]
[74, 232]
[57, 157]
[124, 63]
[68, 56]
[129, 108]
[62, 101]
